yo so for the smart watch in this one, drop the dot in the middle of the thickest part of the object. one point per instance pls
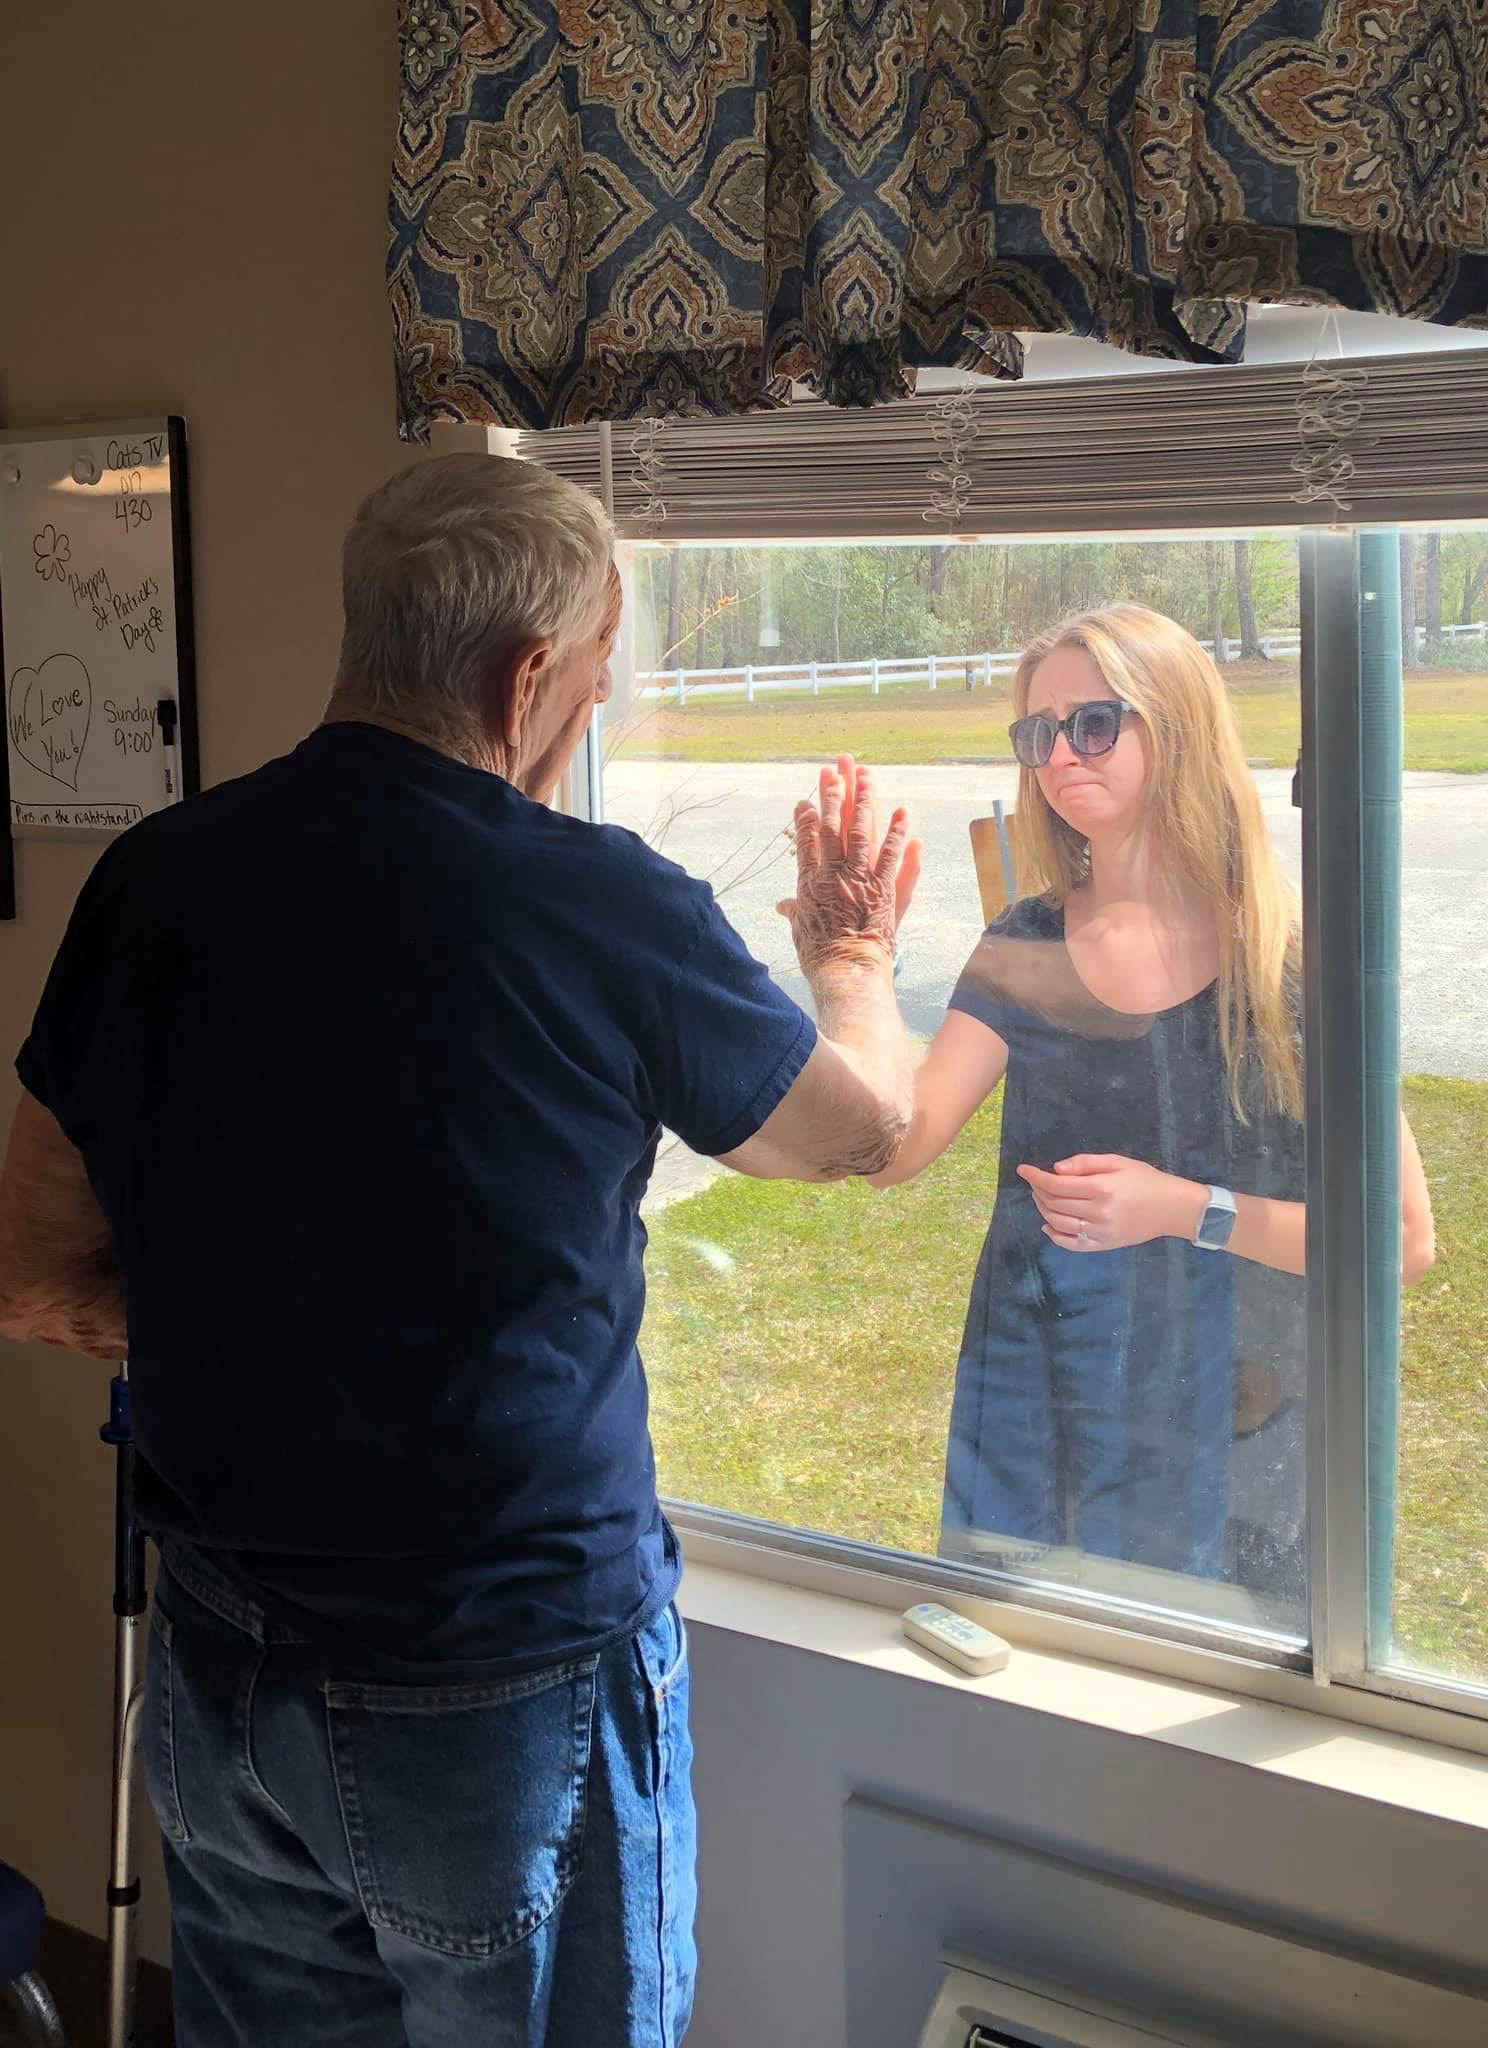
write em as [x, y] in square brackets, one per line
[1217, 1221]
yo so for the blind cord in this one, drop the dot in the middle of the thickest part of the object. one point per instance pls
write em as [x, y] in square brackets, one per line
[649, 475]
[954, 425]
[1330, 406]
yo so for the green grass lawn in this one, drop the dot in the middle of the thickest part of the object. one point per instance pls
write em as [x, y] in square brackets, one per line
[801, 1344]
[1442, 1573]
[1446, 723]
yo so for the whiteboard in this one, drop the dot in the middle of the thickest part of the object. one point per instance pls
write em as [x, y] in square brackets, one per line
[95, 625]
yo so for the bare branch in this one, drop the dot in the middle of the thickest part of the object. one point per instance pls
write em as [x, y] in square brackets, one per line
[724, 604]
[637, 718]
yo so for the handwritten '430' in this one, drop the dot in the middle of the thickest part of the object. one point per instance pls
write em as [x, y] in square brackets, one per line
[132, 505]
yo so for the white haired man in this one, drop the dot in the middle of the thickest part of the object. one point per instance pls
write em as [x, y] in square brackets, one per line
[347, 1078]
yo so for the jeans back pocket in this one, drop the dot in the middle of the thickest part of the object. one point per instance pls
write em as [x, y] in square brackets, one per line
[464, 1804]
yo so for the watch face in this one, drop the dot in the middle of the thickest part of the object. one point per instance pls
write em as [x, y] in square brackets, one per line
[1214, 1232]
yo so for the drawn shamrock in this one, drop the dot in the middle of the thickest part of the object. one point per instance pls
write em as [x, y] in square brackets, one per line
[53, 552]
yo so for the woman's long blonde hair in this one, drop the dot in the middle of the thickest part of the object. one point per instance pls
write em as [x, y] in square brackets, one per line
[1210, 834]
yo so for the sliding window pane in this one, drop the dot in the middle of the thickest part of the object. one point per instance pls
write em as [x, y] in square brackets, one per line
[1018, 1359]
[1429, 1425]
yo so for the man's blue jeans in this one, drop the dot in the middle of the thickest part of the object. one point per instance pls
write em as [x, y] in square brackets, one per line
[495, 1865]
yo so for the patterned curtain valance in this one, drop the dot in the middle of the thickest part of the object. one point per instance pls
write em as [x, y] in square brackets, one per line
[608, 208]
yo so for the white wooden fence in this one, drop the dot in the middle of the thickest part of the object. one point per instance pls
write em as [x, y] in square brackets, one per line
[938, 671]
[932, 671]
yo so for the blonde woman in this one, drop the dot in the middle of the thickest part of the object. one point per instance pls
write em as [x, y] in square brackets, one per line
[1142, 1002]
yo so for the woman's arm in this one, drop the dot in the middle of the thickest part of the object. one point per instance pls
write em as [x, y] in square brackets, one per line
[965, 1062]
[1274, 1233]
[1417, 1224]
[1268, 1232]
[1125, 1201]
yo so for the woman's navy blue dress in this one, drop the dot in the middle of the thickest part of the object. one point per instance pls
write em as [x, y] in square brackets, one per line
[1095, 1399]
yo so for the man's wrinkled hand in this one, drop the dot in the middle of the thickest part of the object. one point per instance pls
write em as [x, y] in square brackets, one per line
[851, 888]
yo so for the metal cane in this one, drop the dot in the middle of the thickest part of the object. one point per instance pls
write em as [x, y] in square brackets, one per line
[129, 1609]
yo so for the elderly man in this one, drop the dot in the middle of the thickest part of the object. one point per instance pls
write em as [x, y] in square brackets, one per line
[347, 1079]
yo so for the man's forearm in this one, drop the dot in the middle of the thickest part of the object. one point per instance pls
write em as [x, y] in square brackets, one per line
[83, 1311]
[858, 1014]
[59, 1273]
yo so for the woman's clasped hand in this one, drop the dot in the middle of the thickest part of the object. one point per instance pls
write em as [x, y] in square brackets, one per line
[1102, 1202]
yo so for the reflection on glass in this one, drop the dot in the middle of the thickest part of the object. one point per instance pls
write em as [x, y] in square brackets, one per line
[1440, 1613]
[1017, 1356]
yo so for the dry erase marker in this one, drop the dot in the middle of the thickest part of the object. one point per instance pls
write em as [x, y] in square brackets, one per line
[165, 718]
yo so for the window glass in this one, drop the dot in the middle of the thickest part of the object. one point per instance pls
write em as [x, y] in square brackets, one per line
[923, 1366]
[1430, 1426]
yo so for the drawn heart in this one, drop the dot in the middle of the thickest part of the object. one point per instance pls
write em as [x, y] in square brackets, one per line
[51, 708]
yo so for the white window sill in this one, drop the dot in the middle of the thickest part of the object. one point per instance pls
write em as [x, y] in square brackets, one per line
[1316, 1740]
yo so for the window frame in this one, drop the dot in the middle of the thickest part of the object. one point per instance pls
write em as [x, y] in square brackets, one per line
[1333, 987]
[1339, 1362]
[1336, 1660]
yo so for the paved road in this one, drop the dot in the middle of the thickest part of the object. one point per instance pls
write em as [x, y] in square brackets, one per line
[727, 820]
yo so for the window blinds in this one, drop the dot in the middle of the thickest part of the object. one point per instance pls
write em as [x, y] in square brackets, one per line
[1399, 437]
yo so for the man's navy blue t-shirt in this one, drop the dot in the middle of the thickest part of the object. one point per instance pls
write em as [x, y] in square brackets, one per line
[367, 1055]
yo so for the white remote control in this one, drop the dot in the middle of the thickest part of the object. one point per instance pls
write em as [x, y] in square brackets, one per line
[961, 1642]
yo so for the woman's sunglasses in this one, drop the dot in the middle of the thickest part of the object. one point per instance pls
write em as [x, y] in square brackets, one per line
[1091, 729]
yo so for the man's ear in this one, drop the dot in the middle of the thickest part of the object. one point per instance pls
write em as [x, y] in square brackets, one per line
[511, 686]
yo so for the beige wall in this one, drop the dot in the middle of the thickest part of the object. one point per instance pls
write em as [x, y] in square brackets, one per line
[192, 219]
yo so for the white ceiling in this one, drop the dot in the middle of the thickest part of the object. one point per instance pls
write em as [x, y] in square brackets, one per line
[1274, 334]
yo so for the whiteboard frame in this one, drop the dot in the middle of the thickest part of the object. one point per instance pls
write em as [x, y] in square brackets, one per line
[188, 753]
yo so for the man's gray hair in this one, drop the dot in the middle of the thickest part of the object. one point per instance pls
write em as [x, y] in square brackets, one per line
[454, 562]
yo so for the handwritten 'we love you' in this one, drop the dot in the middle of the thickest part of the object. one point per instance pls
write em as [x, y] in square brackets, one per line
[51, 714]
[51, 709]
